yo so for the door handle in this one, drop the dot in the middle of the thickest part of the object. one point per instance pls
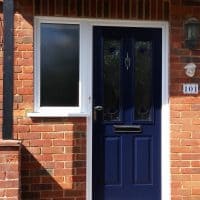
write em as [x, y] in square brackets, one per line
[97, 112]
[127, 129]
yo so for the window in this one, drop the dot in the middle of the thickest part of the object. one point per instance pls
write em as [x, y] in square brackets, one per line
[61, 67]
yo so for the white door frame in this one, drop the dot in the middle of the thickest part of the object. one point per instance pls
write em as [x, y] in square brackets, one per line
[165, 114]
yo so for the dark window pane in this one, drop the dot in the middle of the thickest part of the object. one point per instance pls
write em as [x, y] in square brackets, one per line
[111, 79]
[143, 80]
[59, 65]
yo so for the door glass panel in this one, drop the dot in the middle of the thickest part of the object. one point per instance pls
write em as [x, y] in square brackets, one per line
[143, 80]
[111, 73]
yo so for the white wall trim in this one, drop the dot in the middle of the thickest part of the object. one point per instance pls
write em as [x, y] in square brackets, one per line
[165, 115]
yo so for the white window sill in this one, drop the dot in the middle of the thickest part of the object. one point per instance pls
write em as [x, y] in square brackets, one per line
[49, 114]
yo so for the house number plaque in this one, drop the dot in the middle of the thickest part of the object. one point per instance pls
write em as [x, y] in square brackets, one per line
[190, 88]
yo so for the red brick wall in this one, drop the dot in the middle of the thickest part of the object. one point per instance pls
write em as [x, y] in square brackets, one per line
[115, 9]
[53, 158]
[185, 110]
[10, 178]
[54, 149]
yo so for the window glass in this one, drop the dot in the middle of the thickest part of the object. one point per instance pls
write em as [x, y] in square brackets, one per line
[111, 72]
[143, 80]
[59, 61]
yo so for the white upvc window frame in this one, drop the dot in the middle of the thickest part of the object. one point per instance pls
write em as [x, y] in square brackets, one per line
[84, 70]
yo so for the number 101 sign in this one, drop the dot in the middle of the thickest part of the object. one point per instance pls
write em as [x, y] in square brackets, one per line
[190, 88]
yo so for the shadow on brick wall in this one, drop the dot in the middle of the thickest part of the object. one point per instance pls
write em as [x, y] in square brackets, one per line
[54, 162]
[38, 181]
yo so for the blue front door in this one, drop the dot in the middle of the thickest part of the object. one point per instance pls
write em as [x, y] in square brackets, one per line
[127, 113]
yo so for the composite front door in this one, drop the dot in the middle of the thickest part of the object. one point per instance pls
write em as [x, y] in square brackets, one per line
[127, 113]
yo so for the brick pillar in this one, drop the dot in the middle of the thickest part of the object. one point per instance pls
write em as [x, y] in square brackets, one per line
[10, 184]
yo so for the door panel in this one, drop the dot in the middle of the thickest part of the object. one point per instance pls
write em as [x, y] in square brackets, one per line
[113, 161]
[142, 160]
[127, 114]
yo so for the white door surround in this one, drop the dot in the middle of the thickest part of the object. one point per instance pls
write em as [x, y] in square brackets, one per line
[165, 130]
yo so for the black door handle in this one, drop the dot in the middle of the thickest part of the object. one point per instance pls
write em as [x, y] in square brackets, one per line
[97, 113]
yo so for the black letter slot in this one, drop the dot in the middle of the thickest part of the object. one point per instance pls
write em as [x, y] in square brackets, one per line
[127, 129]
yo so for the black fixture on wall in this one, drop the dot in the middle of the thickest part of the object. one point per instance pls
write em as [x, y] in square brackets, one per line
[192, 33]
[8, 57]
